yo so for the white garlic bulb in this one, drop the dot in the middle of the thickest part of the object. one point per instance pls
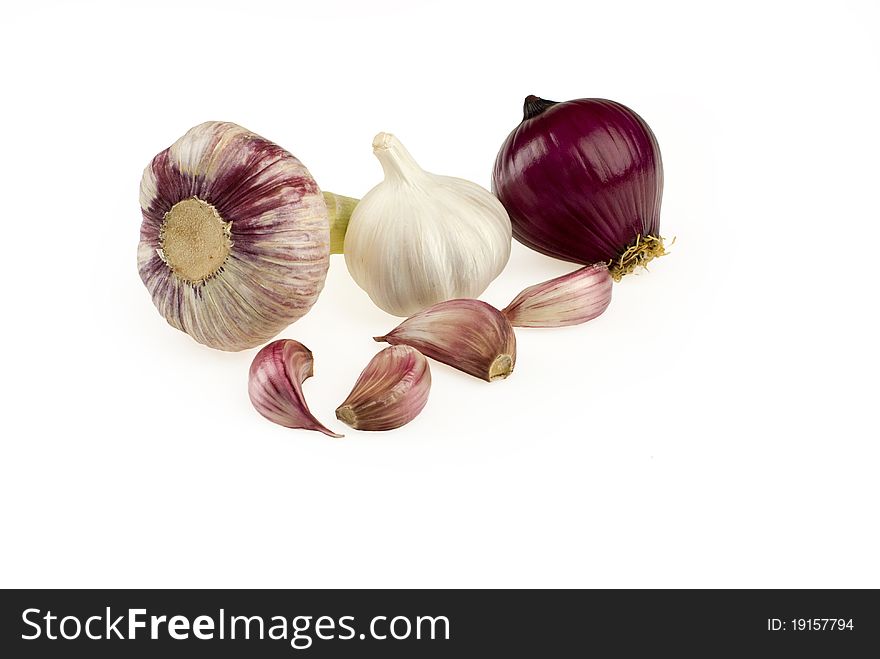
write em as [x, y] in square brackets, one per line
[417, 239]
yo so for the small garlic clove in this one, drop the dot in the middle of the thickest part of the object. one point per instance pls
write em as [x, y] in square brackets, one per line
[466, 334]
[567, 300]
[275, 385]
[390, 392]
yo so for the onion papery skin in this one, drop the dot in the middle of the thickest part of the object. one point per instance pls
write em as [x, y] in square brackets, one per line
[581, 180]
[279, 236]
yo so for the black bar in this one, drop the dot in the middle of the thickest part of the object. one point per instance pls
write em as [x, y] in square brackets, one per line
[514, 623]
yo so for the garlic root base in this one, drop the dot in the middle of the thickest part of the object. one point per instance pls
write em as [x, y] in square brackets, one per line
[501, 367]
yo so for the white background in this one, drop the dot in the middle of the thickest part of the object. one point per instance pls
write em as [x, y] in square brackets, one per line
[716, 427]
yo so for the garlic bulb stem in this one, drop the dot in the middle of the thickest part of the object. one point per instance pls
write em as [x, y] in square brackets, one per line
[397, 163]
[339, 210]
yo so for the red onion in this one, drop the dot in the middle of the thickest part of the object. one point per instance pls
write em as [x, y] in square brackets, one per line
[582, 181]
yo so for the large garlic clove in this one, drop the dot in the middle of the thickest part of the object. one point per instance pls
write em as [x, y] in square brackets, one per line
[466, 334]
[567, 300]
[275, 385]
[390, 392]
[417, 239]
[235, 239]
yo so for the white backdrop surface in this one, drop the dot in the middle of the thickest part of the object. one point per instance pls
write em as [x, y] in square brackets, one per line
[716, 427]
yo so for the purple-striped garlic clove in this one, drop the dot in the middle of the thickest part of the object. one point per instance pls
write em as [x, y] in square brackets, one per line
[390, 392]
[275, 385]
[466, 334]
[567, 300]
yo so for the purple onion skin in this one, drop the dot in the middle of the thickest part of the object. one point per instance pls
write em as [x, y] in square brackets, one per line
[581, 180]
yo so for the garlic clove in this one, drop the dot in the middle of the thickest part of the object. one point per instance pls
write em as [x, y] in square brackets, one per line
[390, 392]
[417, 238]
[466, 334]
[567, 300]
[275, 385]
